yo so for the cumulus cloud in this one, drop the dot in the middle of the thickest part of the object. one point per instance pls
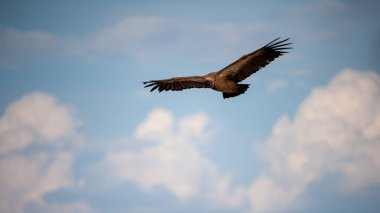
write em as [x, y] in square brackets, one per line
[336, 131]
[29, 127]
[35, 118]
[25, 179]
[173, 160]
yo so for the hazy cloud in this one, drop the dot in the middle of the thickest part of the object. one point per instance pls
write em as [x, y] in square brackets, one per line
[159, 36]
[276, 84]
[141, 37]
[147, 37]
[323, 7]
[74, 207]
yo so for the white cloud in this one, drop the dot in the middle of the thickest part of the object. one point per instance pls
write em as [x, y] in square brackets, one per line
[35, 118]
[336, 130]
[158, 126]
[174, 161]
[26, 179]
[33, 161]
[267, 195]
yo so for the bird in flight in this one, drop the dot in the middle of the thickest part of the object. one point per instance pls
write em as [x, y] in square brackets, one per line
[226, 80]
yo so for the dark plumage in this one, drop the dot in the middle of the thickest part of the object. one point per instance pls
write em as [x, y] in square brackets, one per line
[227, 79]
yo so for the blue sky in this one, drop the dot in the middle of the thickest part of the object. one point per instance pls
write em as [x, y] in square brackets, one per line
[79, 133]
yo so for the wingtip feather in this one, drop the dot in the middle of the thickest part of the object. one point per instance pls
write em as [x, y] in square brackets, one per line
[279, 43]
[272, 41]
[154, 88]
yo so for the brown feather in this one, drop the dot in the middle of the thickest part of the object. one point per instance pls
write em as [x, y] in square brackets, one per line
[253, 62]
[178, 83]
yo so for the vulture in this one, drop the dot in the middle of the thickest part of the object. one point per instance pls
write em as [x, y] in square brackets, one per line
[227, 79]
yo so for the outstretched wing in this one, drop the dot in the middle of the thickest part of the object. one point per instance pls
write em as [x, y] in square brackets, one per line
[252, 62]
[178, 83]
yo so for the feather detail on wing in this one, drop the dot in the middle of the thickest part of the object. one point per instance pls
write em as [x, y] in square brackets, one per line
[252, 62]
[178, 83]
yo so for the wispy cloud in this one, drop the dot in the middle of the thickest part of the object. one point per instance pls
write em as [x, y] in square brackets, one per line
[140, 37]
[323, 7]
[149, 37]
[25, 46]
[274, 85]
[301, 72]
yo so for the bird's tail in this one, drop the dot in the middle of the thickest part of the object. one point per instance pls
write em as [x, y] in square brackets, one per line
[241, 89]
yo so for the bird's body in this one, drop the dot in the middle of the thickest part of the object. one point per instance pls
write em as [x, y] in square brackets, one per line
[222, 83]
[226, 80]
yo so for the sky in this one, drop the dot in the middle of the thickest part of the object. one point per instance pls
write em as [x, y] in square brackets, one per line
[80, 133]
